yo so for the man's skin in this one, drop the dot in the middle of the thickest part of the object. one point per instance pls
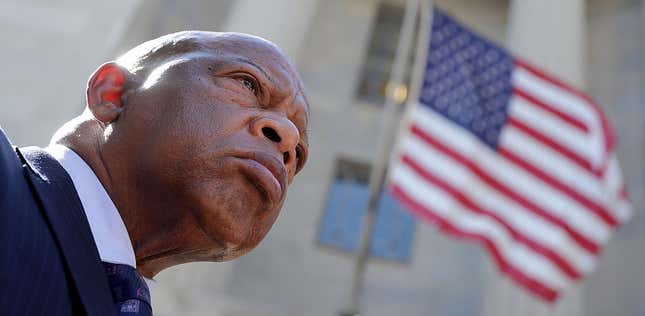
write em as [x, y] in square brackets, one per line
[196, 137]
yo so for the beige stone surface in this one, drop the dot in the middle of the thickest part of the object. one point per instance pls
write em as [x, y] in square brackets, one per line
[50, 48]
[551, 34]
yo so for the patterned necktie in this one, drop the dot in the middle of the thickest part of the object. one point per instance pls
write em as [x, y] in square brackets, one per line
[129, 290]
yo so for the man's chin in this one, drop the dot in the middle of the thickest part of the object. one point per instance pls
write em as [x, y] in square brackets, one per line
[240, 226]
[230, 239]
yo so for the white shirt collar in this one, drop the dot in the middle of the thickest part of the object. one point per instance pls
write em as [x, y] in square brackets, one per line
[111, 236]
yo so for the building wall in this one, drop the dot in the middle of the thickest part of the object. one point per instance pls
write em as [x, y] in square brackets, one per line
[615, 79]
[54, 47]
[48, 51]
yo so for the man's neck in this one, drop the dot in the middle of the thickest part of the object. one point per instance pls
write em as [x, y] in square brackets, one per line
[149, 216]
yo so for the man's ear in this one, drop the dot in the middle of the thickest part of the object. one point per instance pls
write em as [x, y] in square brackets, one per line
[104, 91]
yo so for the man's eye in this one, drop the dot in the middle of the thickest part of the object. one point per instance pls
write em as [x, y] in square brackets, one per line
[249, 83]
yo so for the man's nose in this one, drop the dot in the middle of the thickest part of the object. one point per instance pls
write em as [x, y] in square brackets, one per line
[283, 133]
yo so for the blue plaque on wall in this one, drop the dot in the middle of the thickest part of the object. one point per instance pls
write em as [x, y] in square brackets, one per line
[392, 231]
[342, 221]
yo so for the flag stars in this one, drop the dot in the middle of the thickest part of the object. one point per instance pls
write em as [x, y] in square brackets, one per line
[467, 80]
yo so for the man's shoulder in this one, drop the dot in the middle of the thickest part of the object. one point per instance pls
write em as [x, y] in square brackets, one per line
[8, 155]
[26, 235]
[44, 229]
[9, 167]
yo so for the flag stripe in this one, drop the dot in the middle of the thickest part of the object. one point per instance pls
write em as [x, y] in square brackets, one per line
[622, 209]
[548, 92]
[506, 176]
[616, 190]
[446, 207]
[570, 119]
[596, 209]
[582, 162]
[612, 179]
[483, 196]
[568, 89]
[518, 275]
[551, 162]
[549, 125]
[584, 242]
[441, 166]
[567, 98]
[469, 205]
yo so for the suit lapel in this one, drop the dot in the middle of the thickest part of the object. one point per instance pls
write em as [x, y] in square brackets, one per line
[69, 225]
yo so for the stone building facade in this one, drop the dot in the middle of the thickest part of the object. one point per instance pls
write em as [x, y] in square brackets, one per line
[50, 48]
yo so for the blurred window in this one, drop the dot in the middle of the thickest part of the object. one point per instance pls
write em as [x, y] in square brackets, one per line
[380, 54]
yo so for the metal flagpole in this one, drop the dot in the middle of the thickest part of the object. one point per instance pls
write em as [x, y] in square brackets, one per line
[394, 90]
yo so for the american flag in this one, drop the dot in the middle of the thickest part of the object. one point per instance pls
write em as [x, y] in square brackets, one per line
[497, 151]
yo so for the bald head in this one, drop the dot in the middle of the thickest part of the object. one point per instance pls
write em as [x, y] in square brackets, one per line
[145, 57]
[196, 137]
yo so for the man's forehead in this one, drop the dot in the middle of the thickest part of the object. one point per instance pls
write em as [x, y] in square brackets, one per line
[222, 47]
[156, 51]
[238, 47]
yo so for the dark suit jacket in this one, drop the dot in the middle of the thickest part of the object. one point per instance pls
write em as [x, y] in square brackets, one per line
[49, 264]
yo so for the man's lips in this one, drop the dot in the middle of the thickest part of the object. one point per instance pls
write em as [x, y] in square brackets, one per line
[267, 172]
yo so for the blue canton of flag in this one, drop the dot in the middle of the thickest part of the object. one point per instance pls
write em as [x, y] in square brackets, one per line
[468, 79]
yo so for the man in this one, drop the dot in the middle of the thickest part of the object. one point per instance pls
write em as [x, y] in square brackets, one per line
[184, 153]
